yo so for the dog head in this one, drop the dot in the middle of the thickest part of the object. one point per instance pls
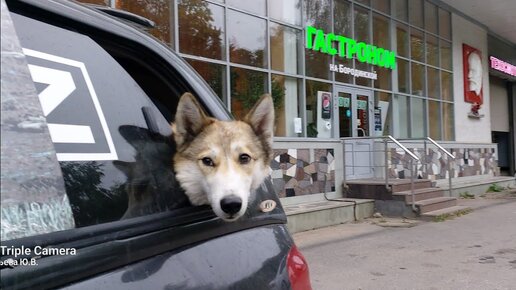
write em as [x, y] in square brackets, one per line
[221, 163]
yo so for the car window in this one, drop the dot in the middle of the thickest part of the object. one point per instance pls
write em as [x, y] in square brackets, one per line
[111, 140]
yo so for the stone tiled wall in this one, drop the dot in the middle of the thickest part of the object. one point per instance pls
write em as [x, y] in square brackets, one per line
[298, 172]
[468, 162]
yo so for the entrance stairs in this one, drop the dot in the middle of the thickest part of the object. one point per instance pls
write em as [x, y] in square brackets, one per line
[427, 201]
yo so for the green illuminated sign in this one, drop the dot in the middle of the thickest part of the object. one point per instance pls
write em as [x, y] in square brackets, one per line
[317, 40]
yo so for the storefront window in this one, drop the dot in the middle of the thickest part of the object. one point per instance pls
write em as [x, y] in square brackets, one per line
[400, 8]
[418, 115]
[160, 12]
[365, 2]
[430, 17]
[418, 79]
[247, 39]
[433, 83]
[286, 10]
[444, 24]
[401, 116]
[201, 29]
[247, 86]
[402, 39]
[382, 105]
[213, 74]
[382, 5]
[342, 18]
[415, 9]
[448, 128]
[361, 25]
[417, 45]
[446, 86]
[432, 50]
[403, 76]
[446, 56]
[285, 94]
[384, 78]
[434, 120]
[341, 77]
[381, 35]
[255, 6]
[317, 14]
[312, 89]
[285, 43]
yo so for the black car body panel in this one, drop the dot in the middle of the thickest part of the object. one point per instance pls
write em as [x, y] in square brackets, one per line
[188, 248]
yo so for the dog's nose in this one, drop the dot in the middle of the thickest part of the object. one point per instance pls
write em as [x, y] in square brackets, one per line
[231, 204]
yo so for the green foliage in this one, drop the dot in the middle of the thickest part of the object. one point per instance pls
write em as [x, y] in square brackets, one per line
[495, 188]
[467, 195]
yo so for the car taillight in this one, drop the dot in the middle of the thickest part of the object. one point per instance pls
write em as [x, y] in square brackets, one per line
[298, 270]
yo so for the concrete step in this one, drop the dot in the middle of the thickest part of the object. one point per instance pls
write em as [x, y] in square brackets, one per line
[418, 184]
[437, 203]
[419, 194]
[446, 212]
[318, 214]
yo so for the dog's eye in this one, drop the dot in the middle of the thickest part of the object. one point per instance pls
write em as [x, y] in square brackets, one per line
[208, 162]
[244, 158]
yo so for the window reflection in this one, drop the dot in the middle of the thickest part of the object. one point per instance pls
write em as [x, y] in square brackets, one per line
[285, 92]
[448, 128]
[160, 12]
[317, 14]
[402, 39]
[417, 45]
[312, 88]
[213, 74]
[400, 9]
[201, 29]
[432, 50]
[361, 25]
[254, 6]
[433, 83]
[418, 79]
[444, 24]
[446, 56]
[434, 119]
[383, 101]
[415, 10]
[247, 86]
[285, 10]
[446, 86]
[418, 115]
[430, 17]
[284, 48]
[342, 18]
[402, 115]
[403, 76]
[382, 5]
[247, 39]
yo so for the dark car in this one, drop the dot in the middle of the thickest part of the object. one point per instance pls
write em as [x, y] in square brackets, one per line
[87, 198]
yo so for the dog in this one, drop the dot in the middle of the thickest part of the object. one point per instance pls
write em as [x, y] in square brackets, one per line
[221, 163]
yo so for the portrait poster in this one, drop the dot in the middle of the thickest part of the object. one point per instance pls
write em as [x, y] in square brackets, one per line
[473, 74]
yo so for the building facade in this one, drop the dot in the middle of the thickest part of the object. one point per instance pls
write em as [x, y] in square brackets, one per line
[345, 73]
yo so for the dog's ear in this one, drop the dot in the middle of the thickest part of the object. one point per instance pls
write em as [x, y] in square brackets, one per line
[189, 121]
[261, 119]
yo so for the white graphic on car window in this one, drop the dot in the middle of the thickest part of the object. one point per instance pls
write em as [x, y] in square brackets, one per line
[68, 80]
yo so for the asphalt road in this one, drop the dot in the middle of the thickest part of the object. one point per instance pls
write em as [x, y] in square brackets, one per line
[474, 251]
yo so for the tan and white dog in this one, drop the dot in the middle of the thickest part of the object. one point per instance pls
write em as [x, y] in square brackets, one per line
[221, 163]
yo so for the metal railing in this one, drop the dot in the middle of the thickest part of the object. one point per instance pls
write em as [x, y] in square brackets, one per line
[448, 154]
[386, 140]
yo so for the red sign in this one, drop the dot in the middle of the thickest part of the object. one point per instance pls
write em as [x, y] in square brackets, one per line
[473, 73]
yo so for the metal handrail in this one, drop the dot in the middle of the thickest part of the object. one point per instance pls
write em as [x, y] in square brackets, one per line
[445, 152]
[412, 155]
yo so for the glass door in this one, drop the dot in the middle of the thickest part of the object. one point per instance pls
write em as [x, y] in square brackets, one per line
[355, 112]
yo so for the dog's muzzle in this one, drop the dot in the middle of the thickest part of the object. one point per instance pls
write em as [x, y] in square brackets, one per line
[231, 204]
